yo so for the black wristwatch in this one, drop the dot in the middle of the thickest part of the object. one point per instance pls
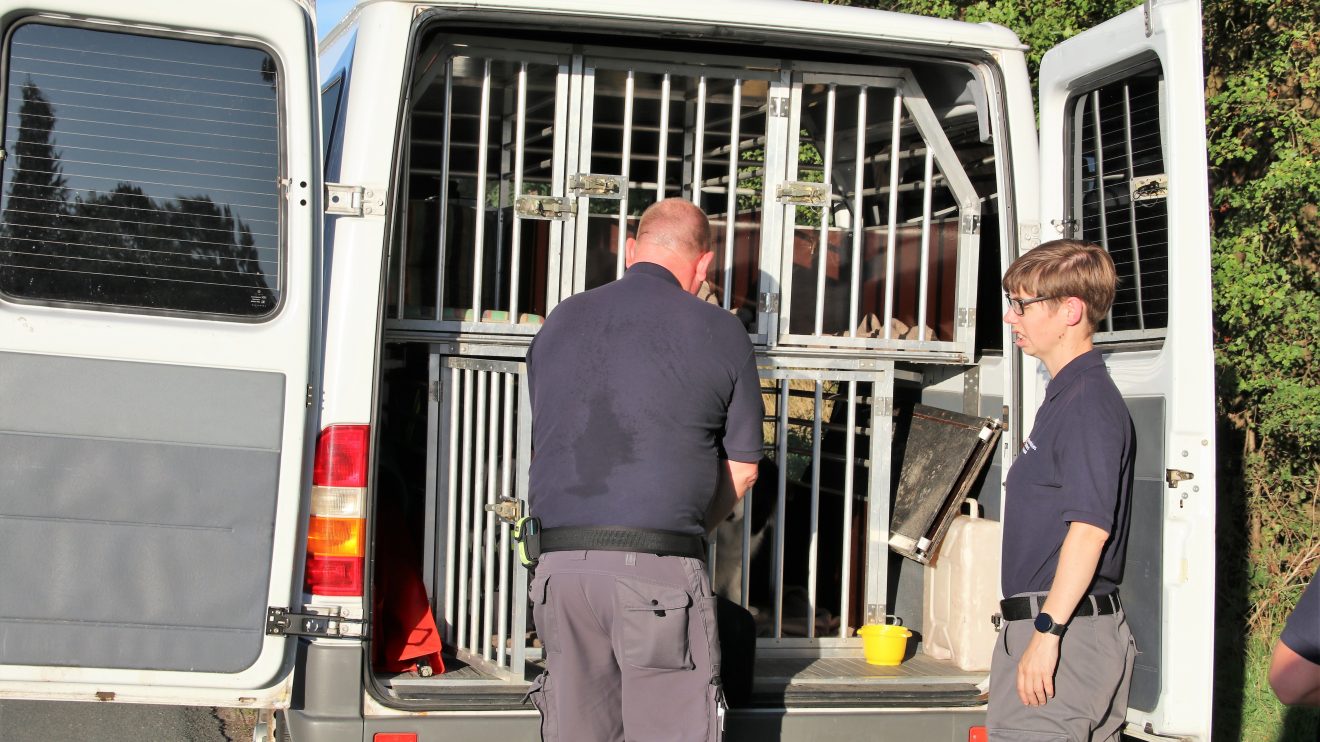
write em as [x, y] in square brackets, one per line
[1045, 624]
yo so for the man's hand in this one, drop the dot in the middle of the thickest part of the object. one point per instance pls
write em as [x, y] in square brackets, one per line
[1035, 675]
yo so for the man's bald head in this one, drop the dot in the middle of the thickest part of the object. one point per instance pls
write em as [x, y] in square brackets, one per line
[675, 234]
[676, 225]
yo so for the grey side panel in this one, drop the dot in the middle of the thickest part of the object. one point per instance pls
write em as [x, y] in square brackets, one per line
[327, 700]
[137, 507]
[1142, 576]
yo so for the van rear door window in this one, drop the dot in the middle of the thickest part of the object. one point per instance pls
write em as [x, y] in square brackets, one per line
[1119, 190]
[141, 173]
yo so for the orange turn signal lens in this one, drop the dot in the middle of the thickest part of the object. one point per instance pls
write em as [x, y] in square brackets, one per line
[338, 537]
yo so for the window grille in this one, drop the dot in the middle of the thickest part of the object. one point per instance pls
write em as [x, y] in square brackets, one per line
[140, 173]
[1119, 197]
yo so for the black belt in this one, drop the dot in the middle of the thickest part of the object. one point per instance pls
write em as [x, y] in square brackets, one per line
[1024, 607]
[614, 538]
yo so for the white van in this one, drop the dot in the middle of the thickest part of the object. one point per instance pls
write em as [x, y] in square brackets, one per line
[241, 363]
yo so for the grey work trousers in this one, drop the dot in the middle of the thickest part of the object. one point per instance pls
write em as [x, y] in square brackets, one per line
[1090, 684]
[631, 646]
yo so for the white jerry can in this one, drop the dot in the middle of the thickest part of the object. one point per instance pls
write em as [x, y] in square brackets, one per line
[962, 593]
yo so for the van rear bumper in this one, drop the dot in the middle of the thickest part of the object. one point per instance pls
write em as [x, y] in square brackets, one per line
[757, 725]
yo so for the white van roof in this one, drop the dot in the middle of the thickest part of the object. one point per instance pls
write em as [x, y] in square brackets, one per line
[814, 19]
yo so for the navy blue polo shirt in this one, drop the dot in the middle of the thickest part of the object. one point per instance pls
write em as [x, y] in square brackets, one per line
[1302, 632]
[1075, 466]
[639, 390]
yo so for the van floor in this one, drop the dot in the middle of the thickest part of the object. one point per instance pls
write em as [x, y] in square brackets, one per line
[779, 682]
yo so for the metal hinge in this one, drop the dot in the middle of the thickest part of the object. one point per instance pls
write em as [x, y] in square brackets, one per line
[770, 303]
[544, 207]
[802, 193]
[280, 622]
[967, 317]
[971, 224]
[779, 107]
[1145, 7]
[351, 200]
[597, 186]
[885, 406]
[1064, 227]
[1174, 477]
[309, 395]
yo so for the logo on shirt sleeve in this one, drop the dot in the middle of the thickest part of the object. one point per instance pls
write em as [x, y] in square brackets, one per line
[1027, 445]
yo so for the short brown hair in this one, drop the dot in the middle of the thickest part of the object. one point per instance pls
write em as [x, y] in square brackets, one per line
[1063, 268]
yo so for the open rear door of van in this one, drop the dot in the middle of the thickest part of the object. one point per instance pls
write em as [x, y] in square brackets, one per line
[158, 222]
[1123, 164]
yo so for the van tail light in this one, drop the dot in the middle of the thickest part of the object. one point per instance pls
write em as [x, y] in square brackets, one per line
[976, 734]
[336, 530]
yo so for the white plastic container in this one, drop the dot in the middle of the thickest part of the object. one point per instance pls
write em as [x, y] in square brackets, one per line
[962, 593]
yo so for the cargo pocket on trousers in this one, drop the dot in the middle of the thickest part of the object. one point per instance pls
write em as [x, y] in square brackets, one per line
[654, 621]
[543, 613]
[539, 696]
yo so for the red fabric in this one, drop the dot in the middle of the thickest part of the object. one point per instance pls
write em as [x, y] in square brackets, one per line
[408, 626]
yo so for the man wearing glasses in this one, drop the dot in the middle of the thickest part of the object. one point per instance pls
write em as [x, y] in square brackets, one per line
[1063, 661]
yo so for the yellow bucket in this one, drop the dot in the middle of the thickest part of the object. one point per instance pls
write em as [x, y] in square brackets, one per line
[884, 644]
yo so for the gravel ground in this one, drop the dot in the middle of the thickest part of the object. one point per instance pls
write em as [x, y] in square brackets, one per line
[39, 721]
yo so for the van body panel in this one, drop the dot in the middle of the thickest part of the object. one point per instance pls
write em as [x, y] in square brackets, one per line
[1123, 164]
[156, 440]
[735, 15]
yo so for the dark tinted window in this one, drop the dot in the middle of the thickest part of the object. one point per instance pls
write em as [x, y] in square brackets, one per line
[1119, 194]
[329, 114]
[140, 172]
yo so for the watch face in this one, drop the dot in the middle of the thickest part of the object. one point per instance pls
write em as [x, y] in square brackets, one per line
[1044, 622]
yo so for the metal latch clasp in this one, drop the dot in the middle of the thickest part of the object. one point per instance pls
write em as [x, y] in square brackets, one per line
[802, 193]
[544, 207]
[1175, 477]
[507, 509]
[597, 186]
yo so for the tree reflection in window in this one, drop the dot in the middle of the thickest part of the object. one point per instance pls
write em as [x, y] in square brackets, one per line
[143, 173]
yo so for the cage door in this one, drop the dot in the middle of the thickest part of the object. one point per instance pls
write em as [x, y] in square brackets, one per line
[880, 220]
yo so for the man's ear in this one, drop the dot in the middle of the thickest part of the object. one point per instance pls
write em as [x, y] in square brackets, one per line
[703, 265]
[629, 248]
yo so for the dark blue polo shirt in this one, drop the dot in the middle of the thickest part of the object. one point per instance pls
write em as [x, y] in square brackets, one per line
[638, 390]
[1075, 466]
[1302, 632]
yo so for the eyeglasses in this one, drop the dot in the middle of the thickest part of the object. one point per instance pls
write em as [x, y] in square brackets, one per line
[1020, 305]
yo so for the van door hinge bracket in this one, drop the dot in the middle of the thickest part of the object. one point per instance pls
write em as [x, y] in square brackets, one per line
[779, 106]
[967, 317]
[971, 224]
[593, 185]
[351, 200]
[282, 622]
[1175, 477]
[544, 207]
[770, 303]
[802, 193]
[310, 398]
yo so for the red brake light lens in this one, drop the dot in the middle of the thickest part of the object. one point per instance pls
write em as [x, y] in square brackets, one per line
[333, 576]
[341, 456]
